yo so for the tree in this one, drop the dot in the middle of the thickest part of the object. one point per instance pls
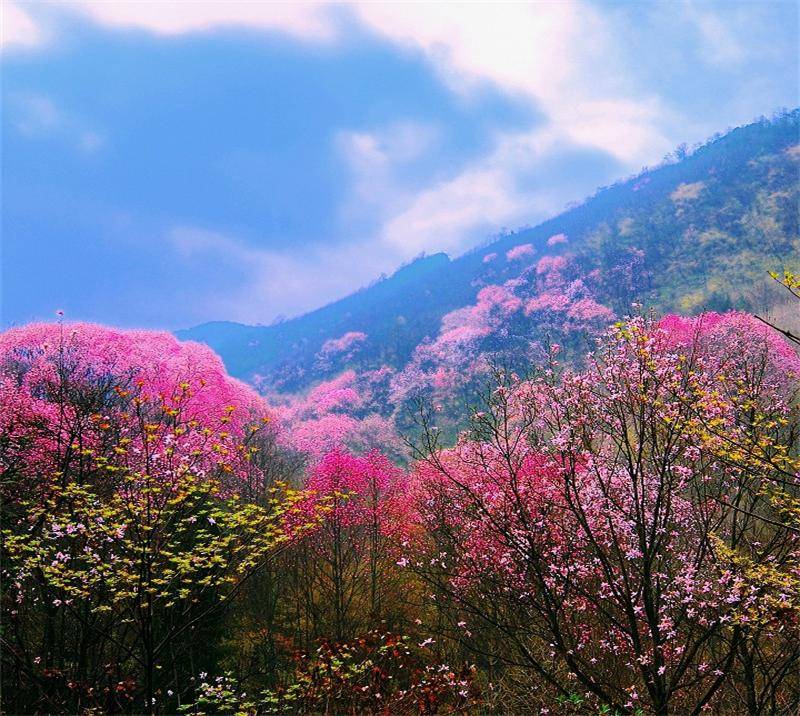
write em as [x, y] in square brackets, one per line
[126, 536]
[344, 576]
[603, 527]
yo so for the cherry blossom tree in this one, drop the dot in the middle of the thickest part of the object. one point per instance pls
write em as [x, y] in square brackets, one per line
[603, 528]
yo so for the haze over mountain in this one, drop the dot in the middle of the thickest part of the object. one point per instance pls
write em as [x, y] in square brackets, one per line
[700, 232]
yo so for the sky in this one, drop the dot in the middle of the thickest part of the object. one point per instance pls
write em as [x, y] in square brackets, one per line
[170, 163]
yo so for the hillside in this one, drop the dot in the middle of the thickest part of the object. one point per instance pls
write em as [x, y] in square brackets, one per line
[698, 233]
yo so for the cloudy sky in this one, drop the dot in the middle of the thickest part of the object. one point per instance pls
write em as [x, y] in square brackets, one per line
[166, 164]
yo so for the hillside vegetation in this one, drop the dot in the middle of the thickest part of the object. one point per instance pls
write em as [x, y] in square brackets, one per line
[476, 487]
[616, 539]
[698, 233]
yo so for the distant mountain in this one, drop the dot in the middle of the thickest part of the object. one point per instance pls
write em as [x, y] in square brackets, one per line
[698, 232]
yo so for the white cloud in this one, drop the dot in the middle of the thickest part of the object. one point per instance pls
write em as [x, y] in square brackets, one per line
[37, 115]
[721, 44]
[453, 213]
[519, 46]
[564, 55]
[561, 57]
[373, 159]
[305, 20]
[276, 282]
[628, 129]
[17, 28]
[560, 54]
[445, 216]
[91, 141]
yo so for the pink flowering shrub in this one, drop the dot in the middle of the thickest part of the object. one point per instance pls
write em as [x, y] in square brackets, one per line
[456, 356]
[344, 343]
[339, 413]
[84, 383]
[747, 342]
[565, 305]
[551, 266]
[557, 239]
[506, 324]
[520, 252]
[587, 310]
[154, 363]
[341, 349]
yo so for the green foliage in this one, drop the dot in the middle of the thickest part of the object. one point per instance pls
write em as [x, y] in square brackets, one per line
[164, 547]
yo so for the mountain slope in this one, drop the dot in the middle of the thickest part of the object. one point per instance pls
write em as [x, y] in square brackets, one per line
[698, 233]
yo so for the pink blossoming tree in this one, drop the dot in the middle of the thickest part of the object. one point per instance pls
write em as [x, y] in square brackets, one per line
[609, 530]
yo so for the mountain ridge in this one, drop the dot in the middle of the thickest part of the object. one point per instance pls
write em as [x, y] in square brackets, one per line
[729, 180]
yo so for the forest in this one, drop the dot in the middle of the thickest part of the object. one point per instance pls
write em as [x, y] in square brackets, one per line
[612, 534]
[395, 358]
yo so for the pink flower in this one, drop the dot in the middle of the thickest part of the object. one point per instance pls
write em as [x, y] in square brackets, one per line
[520, 252]
[557, 239]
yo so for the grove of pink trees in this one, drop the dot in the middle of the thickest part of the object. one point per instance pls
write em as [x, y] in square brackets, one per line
[154, 363]
[520, 252]
[341, 349]
[65, 388]
[557, 239]
[547, 302]
[616, 535]
[339, 413]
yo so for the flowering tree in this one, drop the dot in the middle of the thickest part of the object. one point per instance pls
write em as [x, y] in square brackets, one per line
[340, 349]
[457, 357]
[616, 531]
[562, 304]
[341, 413]
[126, 459]
[518, 253]
[345, 578]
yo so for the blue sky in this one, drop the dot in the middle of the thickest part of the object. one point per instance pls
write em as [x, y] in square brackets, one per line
[166, 164]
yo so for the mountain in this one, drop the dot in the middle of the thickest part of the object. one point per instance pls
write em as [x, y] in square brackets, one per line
[699, 232]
